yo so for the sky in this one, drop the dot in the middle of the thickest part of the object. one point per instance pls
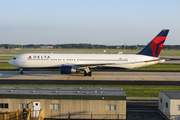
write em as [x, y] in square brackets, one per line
[116, 22]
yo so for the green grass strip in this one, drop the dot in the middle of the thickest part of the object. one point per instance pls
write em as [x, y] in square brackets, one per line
[160, 67]
[11, 53]
[5, 57]
[7, 66]
[85, 51]
[130, 90]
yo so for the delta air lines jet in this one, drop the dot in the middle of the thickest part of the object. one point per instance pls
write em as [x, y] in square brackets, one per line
[69, 63]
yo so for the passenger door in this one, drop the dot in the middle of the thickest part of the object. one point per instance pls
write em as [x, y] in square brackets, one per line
[36, 109]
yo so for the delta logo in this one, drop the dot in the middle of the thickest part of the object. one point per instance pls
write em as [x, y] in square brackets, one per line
[29, 57]
[39, 57]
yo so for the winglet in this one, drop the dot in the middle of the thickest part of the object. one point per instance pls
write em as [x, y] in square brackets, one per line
[154, 47]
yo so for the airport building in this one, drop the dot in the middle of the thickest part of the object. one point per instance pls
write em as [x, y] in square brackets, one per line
[46, 47]
[66, 102]
[169, 104]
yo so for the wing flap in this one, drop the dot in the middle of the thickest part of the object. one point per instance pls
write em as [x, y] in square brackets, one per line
[88, 64]
[104, 64]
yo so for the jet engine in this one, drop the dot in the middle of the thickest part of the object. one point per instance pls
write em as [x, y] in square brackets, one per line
[68, 70]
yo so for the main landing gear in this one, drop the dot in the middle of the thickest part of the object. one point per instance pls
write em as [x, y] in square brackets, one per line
[87, 72]
[21, 71]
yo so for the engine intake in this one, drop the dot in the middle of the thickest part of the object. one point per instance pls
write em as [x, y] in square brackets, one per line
[68, 70]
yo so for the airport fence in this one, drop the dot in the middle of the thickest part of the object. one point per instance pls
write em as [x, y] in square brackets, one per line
[93, 116]
[18, 115]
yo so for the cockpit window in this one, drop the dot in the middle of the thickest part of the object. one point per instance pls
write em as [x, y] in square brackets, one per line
[14, 58]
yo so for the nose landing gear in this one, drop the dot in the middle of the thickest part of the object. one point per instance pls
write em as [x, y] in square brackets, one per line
[21, 71]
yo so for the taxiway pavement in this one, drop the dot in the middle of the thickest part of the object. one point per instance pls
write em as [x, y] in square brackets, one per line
[96, 76]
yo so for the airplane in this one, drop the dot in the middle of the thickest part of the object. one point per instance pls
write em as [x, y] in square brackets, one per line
[72, 63]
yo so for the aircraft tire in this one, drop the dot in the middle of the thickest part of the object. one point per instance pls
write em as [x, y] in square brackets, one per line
[89, 74]
[85, 74]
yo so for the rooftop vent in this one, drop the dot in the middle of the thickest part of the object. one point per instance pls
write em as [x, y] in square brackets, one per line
[33, 91]
[78, 92]
[95, 92]
[56, 91]
[80, 88]
[87, 93]
[101, 92]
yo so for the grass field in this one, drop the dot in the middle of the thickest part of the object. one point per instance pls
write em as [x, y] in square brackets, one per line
[7, 66]
[5, 57]
[130, 90]
[11, 53]
[85, 51]
[160, 67]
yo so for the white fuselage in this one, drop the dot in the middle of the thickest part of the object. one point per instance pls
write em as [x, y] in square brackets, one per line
[128, 61]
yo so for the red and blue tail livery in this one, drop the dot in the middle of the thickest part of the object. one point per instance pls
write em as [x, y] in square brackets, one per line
[155, 46]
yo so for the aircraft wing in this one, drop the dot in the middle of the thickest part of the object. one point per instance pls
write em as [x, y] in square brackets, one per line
[171, 57]
[158, 60]
[88, 64]
[103, 64]
[148, 61]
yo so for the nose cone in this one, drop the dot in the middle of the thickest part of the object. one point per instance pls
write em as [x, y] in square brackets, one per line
[10, 62]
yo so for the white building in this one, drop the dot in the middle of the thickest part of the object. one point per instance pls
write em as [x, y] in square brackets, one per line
[169, 104]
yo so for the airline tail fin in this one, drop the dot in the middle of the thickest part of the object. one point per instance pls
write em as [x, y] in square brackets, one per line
[154, 47]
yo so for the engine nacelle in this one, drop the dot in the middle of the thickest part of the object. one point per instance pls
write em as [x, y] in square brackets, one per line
[68, 70]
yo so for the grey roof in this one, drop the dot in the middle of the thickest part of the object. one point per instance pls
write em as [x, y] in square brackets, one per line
[62, 91]
[172, 94]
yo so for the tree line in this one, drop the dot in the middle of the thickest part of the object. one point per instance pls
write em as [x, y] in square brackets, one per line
[83, 46]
